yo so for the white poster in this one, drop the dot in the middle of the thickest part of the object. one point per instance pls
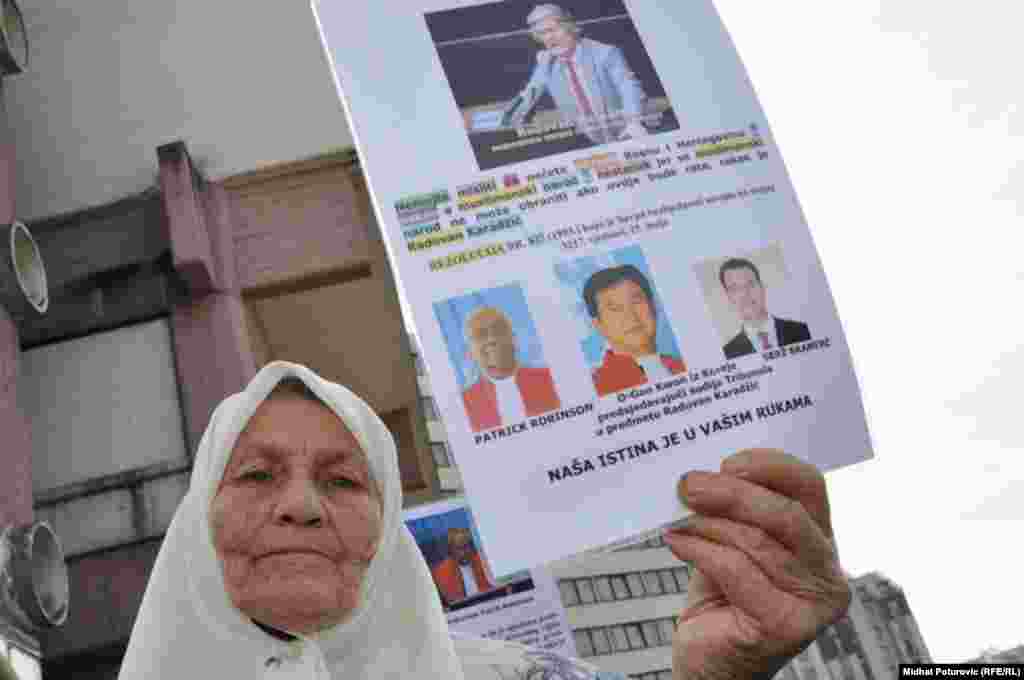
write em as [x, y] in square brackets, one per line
[608, 268]
[524, 607]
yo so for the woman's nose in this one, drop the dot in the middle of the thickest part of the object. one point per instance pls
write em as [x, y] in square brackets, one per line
[300, 504]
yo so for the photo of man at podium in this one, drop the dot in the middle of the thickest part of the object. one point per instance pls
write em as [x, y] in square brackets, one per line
[532, 80]
[591, 83]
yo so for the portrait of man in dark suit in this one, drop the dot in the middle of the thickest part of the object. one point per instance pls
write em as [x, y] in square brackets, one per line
[760, 331]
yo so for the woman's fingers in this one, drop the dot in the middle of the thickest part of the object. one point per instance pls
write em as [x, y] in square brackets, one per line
[740, 581]
[787, 475]
[783, 518]
[768, 578]
[777, 562]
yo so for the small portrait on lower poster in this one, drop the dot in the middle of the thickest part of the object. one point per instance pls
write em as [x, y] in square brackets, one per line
[743, 292]
[625, 335]
[496, 354]
[447, 537]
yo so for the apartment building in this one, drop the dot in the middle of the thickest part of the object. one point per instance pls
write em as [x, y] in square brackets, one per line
[1012, 655]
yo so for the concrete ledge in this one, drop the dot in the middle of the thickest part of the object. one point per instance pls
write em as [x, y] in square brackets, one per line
[96, 485]
[114, 517]
[92, 522]
[625, 611]
[77, 245]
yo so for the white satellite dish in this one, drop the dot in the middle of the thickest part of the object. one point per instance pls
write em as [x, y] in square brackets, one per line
[23, 286]
[13, 39]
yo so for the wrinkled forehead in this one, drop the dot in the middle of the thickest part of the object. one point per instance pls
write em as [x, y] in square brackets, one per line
[290, 429]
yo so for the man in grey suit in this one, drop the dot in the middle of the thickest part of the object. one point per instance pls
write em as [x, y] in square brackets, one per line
[591, 83]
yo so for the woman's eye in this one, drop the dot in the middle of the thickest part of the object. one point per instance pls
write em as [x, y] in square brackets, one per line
[256, 476]
[342, 483]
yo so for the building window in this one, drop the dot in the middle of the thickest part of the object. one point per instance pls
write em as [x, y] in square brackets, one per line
[619, 587]
[570, 597]
[616, 587]
[429, 408]
[583, 645]
[682, 577]
[601, 643]
[652, 634]
[636, 585]
[440, 452]
[627, 637]
[668, 581]
[603, 588]
[636, 638]
[787, 673]
[586, 589]
[619, 640]
[652, 583]
[656, 542]
[668, 629]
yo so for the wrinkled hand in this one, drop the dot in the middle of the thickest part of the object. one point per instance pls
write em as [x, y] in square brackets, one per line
[767, 578]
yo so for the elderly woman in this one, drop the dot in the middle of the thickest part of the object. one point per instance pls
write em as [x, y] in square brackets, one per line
[288, 558]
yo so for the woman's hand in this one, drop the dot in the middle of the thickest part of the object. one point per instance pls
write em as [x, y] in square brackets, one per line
[767, 578]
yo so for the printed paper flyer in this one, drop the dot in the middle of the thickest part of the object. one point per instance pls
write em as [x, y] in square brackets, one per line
[524, 607]
[608, 268]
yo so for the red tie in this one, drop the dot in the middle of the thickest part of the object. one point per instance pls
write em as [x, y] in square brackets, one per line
[577, 88]
[766, 342]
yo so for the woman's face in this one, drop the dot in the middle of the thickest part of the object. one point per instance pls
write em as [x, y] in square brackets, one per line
[296, 518]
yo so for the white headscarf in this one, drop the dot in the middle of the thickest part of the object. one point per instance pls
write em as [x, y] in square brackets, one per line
[188, 628]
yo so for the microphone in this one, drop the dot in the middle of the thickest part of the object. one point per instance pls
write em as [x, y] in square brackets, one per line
[528, 97]
[506, 119]
[525, 100]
